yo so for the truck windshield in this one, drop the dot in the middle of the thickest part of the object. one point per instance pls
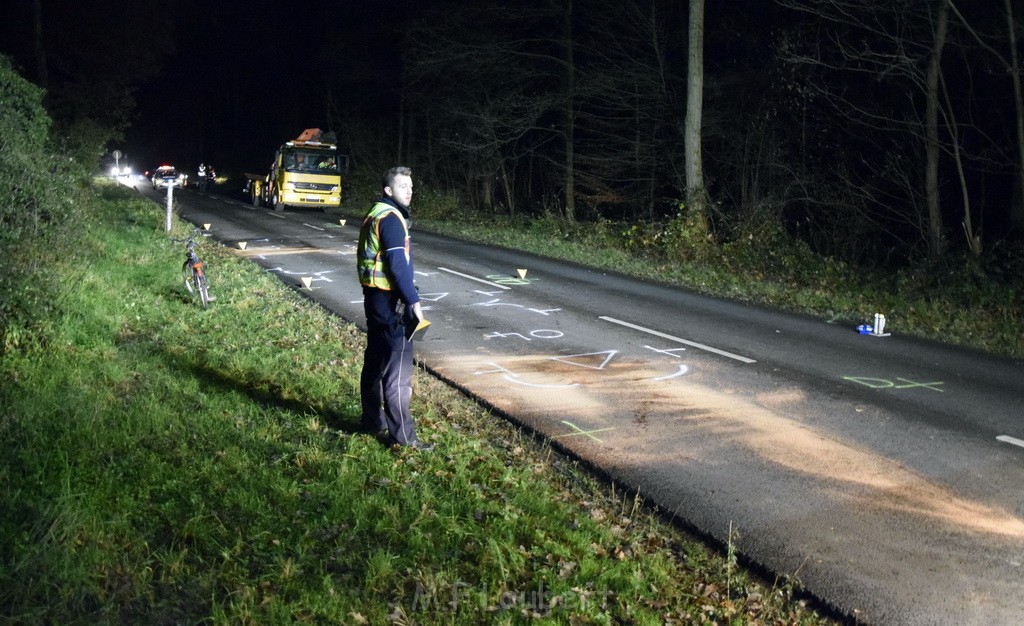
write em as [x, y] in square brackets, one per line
[318, 161]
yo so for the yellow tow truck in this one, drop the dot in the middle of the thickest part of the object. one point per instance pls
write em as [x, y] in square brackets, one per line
[306, 172]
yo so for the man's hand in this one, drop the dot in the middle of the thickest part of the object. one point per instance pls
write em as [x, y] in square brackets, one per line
[417, 310]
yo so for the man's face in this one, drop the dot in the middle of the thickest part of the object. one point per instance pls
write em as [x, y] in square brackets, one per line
[401, 190]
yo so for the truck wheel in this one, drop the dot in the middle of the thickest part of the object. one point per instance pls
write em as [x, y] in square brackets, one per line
[275, 201]
[255, 197]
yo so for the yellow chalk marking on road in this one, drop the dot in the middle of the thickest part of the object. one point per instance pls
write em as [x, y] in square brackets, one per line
[580, 431]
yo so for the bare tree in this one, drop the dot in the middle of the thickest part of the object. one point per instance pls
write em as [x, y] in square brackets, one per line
[899, 42]
[1012, 67]
[696, 195]
[936, 244]
[568, 98]
[629, 139]
[499, 97]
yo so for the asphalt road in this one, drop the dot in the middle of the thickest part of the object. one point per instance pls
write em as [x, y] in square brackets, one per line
[885, 473]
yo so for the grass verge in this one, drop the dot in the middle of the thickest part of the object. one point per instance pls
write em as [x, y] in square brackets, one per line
[165, 464]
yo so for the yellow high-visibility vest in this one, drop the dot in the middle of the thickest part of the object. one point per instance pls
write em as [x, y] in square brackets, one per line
[371, 263]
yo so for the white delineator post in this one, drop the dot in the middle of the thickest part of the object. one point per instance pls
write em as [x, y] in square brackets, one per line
[170, 199]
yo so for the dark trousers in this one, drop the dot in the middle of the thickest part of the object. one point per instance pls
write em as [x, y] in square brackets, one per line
[386, 382]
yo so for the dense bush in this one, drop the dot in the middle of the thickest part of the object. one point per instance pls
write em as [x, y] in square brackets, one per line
[41, 200]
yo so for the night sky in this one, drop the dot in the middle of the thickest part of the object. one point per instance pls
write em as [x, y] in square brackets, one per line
[221, 82]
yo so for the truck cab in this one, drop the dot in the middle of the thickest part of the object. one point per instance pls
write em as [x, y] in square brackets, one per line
[306, 172]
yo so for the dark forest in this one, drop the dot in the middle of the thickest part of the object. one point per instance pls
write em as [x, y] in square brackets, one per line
[880, 133]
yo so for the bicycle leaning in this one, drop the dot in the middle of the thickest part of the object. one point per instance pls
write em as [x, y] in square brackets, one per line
[192, 272]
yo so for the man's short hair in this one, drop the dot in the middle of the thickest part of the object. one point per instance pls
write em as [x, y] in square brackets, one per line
[389, 176]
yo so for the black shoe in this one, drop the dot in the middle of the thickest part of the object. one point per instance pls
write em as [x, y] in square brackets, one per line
[422, 447]
[372, 429]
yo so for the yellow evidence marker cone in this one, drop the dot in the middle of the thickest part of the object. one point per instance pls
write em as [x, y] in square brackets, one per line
[207, 226]
[522, 273]
[307, 281]
[241, 245]
[342, 222]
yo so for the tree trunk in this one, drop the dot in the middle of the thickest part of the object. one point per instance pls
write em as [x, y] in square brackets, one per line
[932, 148]
[973, 234]
[487, 188]
[1016, 209]
[570, 118]
[509, 187]
[696, 197]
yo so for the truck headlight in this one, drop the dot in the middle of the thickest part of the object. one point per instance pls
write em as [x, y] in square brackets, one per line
[289, 186]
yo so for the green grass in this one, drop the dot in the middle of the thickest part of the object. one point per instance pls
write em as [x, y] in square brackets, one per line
[164, 464]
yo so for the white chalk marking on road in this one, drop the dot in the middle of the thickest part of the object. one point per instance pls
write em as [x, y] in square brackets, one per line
[568, 359]
[671, 351]
[514, 378]
[694, 344]
[682, 370]
[498, 302]
[479, 280]
[313, 227]
[433, 297]
[1011, 440]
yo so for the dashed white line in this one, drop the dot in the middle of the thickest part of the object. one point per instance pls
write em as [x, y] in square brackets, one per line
[479, 280]
[272, 214]
[1011, 440]
[314, 227]
[694, 344]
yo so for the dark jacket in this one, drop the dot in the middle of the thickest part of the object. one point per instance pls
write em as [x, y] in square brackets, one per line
[387, 308]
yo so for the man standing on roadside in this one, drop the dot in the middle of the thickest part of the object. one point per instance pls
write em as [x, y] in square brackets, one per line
[391, 305]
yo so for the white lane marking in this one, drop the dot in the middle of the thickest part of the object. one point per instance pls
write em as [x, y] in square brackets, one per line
[694, 344]
[479, 280]
[271, 213]
[1011, 440]
[313, 227]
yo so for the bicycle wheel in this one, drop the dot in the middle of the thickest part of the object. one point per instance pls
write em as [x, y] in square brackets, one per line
[204, 295]
[187, 275]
